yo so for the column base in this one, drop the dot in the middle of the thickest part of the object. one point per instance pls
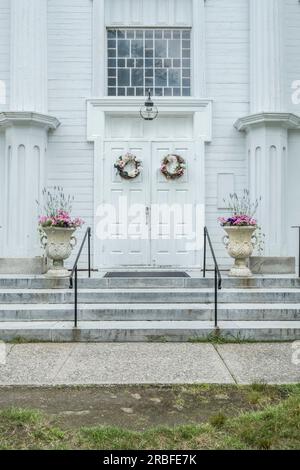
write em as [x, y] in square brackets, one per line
[35, 265]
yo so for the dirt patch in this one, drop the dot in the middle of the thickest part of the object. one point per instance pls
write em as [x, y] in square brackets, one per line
[138, 407]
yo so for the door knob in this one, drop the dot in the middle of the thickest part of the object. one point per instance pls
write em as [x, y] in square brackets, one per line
[147, 213]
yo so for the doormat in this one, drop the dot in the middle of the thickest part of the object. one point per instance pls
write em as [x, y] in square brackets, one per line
[147, 274]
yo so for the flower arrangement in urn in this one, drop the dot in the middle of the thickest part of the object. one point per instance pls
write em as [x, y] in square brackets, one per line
[57, 229]
[240, 227]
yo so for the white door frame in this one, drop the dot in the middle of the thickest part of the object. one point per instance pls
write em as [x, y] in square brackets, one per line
[99, 109]
[100, 151]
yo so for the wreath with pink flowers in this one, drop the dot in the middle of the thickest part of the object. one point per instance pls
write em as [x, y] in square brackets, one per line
[128, 159]
[173, 166]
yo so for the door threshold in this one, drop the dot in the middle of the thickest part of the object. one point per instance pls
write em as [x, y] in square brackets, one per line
[149, 268]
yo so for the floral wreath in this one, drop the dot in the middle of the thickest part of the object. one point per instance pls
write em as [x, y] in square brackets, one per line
[179, 168]
[123, 161]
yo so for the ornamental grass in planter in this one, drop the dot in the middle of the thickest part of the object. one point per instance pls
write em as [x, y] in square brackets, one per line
[57, 229]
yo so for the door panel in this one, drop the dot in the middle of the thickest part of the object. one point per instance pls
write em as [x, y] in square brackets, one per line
[127, 244]
[170, 232]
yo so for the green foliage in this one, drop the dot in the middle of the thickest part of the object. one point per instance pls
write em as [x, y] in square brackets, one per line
[217, 420]
[273, 427]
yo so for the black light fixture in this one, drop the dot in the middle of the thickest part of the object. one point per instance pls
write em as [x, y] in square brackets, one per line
[149, 111]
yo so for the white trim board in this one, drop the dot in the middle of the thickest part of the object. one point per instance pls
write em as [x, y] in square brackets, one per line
[99, 108]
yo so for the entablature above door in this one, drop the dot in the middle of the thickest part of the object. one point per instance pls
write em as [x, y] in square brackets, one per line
[98, 109]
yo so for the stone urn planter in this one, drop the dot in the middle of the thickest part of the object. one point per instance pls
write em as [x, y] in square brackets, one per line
[240, 242]
[58, 243]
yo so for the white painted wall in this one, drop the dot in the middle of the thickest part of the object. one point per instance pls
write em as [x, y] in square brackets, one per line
[4, 51]
[4, 95]
[227, 74]
[70, 61]
[291, 51]
[292, 67]
[70, 156]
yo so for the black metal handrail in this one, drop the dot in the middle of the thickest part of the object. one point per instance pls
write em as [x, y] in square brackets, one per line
[218, 277]
[74, 272]
[298, 227]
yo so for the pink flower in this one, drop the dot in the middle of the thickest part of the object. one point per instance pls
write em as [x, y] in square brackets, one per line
[62, 219]
[237, 220]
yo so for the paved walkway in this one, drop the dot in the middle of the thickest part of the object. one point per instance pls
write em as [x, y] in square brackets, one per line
[149, 363]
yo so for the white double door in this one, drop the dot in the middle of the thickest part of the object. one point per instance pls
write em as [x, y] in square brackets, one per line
[152, 219]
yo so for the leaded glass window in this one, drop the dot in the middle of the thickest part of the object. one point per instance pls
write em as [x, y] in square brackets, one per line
[155, 59]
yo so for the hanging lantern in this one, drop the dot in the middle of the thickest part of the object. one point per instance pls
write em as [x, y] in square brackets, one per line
[149, 111]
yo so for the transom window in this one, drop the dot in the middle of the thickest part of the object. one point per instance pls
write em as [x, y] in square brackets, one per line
[143, 59]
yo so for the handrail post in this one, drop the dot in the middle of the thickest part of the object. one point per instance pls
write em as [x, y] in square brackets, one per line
[298, 227]
[204, 254]
[216, 297]
[75, 301]
[299, 254]
[89, 251]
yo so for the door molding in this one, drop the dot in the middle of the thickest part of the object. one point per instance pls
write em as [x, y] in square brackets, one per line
[101, 191]
[100, 109]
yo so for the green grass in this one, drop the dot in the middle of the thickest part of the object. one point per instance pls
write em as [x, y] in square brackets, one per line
[275, 426]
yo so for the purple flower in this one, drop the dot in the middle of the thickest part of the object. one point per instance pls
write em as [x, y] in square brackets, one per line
[237, 220]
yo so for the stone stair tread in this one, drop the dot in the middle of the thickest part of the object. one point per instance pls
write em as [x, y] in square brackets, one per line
[147, 306]
[148, 325]
[149, 290]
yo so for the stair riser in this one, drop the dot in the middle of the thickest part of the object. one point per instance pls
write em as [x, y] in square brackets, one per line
[171, 283]
[149, 297]
[142, 335]
[149, 315]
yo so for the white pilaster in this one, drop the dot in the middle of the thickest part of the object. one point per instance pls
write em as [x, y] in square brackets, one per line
[23, 165]
[29, 55]
[267, 156]
[266, 46]
[25, 129]
[267, 125]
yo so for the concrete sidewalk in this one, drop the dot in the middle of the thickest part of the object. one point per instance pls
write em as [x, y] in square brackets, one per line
[149, 363]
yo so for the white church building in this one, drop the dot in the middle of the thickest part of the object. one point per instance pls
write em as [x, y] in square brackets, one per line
[225, 78]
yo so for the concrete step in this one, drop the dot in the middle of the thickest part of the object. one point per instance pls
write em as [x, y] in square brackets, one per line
[39, 282]
[146, 312]
[185, 295]
[111, 331]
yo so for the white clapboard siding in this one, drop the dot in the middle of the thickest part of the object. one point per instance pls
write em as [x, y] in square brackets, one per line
[4, 94]
[292, 74]
[70, 156]
[291, 51]
[4, 53]
[70, 159]
[227, 74]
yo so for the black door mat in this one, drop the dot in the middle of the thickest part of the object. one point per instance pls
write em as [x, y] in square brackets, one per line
[147, 274]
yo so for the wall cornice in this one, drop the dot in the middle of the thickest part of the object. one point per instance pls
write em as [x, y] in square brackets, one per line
[99, 108]
[11, 118]
[286, 120]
